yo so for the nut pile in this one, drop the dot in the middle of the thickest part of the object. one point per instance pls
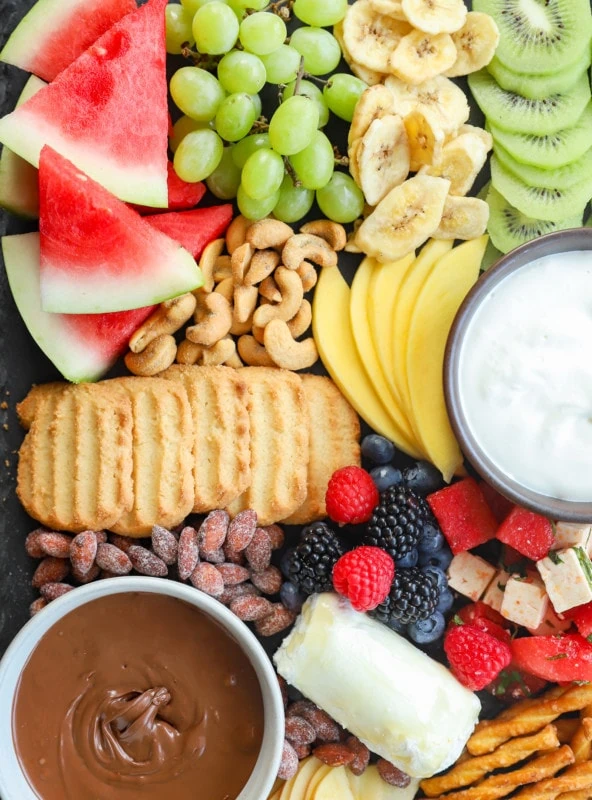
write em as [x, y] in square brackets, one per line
[229, 560]
[252, 307]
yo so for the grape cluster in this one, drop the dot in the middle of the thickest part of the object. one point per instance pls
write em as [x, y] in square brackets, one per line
[277, 167]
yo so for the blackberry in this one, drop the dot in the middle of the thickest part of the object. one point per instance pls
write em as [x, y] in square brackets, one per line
[413, 596]
[397, 522]
[310, 565]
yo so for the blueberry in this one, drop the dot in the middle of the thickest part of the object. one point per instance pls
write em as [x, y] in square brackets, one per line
[397, 626]
[378, 449]
[426, 631]
[410, 559]
[286, 561]
[440, 559]
[431, 539]
[445, 602]
[439, 575]
[423, 477]
[386, 476]
[291, 597]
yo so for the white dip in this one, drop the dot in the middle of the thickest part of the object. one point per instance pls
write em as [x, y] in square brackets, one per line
[526, 376]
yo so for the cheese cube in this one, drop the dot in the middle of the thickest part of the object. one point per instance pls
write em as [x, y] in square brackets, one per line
[552, 624]
[525, 601]
[470, 575]
[567, 575]
[571, 534]
[494, 596]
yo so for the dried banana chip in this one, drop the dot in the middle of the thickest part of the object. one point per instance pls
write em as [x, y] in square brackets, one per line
[390, 8]
[435, 16]
[375, 102]
[440, 97]
[461, 161]
[426, 139]
[463, 218]
[383, 158]
[421, 56]
[371, 37]
[475, 44]
[369, 76]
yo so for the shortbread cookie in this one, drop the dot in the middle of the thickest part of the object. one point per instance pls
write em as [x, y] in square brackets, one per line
[27, 408]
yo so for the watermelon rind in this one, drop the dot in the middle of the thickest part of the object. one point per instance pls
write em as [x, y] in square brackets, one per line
[19, 192]
[55, 32]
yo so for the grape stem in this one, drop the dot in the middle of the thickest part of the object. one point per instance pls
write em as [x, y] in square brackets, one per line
[341, 161]
[260, 125]
[299, 76]
[199, 59]
[291, 172]
[283, 9]
[314, 78]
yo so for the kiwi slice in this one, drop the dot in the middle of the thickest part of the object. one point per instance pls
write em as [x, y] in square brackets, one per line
[540, 202]
[551, 151]
[512, 112]
[560, 178]
[540, 36]
[509, 228]
[537, 87]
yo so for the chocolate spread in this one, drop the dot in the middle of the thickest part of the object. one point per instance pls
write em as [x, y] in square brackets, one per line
[137, 696]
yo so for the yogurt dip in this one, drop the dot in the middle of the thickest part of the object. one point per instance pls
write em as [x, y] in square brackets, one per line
[525, 376]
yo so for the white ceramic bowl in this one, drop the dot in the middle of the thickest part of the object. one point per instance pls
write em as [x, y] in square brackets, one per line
[14, 785]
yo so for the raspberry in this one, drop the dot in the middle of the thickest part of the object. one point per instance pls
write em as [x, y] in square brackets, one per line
[475, 656]
[351, 496]
[364, 576]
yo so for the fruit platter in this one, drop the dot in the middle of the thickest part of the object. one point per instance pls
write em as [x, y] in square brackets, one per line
[296, 404]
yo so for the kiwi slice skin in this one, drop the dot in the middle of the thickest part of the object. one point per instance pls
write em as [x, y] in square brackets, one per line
[513, 112]
[539, 36]
[551, 151]
[537, 87]
[509, 228]
[540, 203]
[559, 178]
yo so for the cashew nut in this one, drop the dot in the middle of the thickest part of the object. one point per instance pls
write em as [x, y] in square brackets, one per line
[268, 233]
[189, 352]
[332, 232]
[285, 351]
[301, 322]
[254, 354]
[156, 356]
[226, 289]
[306, 246]
[219, 353]
[222, 269]
[308, 274]
[245, 302]
[258, 333]
[269, 290]
[213, 318]
[234, 361]
[240, 260]
[262, 264]
[169, 317]
[207, 262]
[290, 285]
[236, 233]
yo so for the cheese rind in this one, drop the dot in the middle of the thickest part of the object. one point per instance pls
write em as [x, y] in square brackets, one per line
[568, 578]
[470, 575]
[403, 705]
[525, 601]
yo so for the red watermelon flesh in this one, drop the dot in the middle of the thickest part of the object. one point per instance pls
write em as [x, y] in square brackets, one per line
[55, 32]
[193, 229]
[182, 195]
[82, 346]
[107, 112]
[97, 254]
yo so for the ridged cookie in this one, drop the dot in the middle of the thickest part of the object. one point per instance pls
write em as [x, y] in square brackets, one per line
[162, 440]
[279, 444]
[221, 440]
[334, 433]
[27, 408]
[75, 465]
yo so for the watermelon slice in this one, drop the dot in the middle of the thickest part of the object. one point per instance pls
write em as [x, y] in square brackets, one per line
[55, 32]
[19, 192]
[193, 229]
[182, 195]
[107, 112]
[97, 254]
[82, 346]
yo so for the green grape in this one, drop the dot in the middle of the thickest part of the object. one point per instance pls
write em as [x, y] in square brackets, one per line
[293, 125]
[263, 174]
[193, 6]
[235, 117]
[177, 28]
[225, 179]
[258, 104]
[197, 93]
[320, 49]
[241, 72]
[308, 89]
[341, 200]
[294, 203]
[246, 147]
[282, 65]
[182, 127]
[198, 155]
[256, 5]
[342, 93]
[322, 13]
[255, 209]
[315, 165]
[262, 33]
[215, 28]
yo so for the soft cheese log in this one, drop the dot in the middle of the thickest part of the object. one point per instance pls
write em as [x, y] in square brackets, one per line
[403, 705]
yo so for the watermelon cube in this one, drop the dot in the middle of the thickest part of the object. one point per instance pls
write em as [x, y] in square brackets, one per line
[529, 533]
[554, 658]
[463, 515]
[582, 616]
[499, 504]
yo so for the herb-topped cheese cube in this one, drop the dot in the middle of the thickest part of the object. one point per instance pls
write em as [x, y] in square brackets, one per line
[572, 534]
[552, 624]
[567, 575]
[494, 596]
[525, 601]
[470, 575]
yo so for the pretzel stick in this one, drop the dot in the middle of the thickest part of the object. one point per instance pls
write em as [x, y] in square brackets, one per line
[566, 729]
[577, 777]
[579, 794]
[526, 704]
[502, 785]
[475, 768]
[541, 713]
[581, 742]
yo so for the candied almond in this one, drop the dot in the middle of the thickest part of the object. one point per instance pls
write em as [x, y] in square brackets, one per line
[326, 728]
[215, 557]
[123, 542]
[83, 549]
[164, 544]
[283, 689]
[232, 574]
[37, 605]
[50, 570]
[32, 545]
[299, 708]
[299, 731]
[212, 532]
[334, 754]
[230, 593]
[146, 563]
[361, 755]
[277, 620]
[258, 552]
[188, 552]
[55, 544]
[101, 536]
[391, 774]
[251, 608]
[241, 530]
[90, 576]
[269, 581]
[114, 560]
[51, 591]
[206, 578]
[289, 763]
[234, 556]
[276, 536]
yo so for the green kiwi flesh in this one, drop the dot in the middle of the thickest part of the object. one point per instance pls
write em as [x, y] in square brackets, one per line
[512, 112]
[509, 228]
[559, 178]
[540, 36]
[537, 87]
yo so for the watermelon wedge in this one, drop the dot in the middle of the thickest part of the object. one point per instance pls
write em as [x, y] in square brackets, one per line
[182, 195]
[82, 346]
[193, 229]
[107, 112]
[19, 192]
[55, 32]
[97, 254]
